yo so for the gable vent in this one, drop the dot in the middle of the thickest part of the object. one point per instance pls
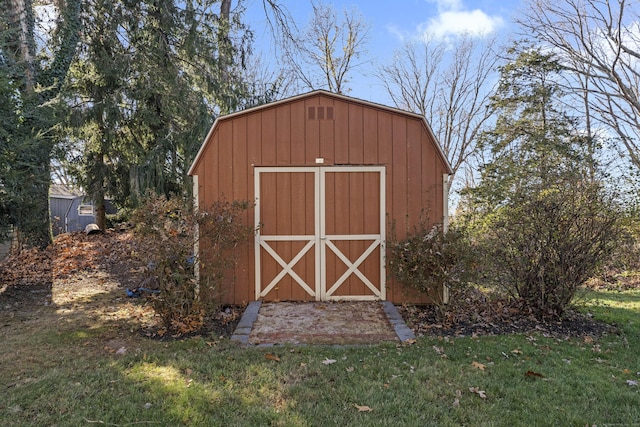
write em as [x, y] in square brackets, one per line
[320, 113]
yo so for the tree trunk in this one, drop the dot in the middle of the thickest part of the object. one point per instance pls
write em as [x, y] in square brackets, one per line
[101, 212]
[225, 9]
[21, 21]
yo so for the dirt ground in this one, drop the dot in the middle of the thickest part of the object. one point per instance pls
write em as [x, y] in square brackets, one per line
[81, 282]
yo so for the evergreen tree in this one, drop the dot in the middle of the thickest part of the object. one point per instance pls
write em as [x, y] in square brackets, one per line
[9, 123]
[35, 80]
[97, 89]
[150, 78]
[543, 219]
[534, 144]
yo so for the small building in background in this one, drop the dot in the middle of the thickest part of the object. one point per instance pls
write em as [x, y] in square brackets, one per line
[71, 210]
[5, 245]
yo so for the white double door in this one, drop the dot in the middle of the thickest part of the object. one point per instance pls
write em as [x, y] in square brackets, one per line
[321, 233]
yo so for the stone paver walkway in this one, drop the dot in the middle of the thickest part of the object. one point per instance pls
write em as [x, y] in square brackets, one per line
[323, 323]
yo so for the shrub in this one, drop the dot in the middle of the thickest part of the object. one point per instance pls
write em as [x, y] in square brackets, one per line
[544, 245]
[166, 230]
[429, 259]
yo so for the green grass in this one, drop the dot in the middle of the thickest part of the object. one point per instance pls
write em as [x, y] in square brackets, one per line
[50, 377]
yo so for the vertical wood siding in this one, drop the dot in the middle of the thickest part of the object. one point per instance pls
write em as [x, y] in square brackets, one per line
[342, 132]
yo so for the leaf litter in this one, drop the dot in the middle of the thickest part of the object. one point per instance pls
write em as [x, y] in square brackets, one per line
[485, 315]
[85, 277]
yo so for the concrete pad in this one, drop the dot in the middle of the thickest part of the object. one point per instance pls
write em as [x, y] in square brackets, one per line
[324, 323]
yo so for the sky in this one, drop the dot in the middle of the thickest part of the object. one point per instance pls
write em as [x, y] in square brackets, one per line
[394, 22]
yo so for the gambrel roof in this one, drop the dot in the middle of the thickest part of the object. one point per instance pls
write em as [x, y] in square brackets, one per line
[324, 93]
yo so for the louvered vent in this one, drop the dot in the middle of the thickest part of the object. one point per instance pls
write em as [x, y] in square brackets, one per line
[320, 113]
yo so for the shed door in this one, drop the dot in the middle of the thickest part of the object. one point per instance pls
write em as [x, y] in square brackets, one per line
[322, 232]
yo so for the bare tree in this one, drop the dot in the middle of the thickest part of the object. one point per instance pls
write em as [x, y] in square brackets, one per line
[323, 54]
[599, 41]
[449, 83]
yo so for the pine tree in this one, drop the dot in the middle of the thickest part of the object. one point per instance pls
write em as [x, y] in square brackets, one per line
[150, 78]
[535, 144]
[543, 219]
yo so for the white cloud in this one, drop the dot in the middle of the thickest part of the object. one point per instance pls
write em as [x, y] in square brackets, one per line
[397, 32]
[453, 19]
[444, 5]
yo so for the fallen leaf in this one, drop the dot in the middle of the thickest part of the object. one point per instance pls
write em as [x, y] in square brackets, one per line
[363, 408]
[626, 371]
[588, 339]
[409, 341]
[456, 402]
[188, 372]
[350, 369]
[270, 356]
[478, 365]
[516, 351]
[532, 374]
[438, 350]
[481, 393]
[329, 361]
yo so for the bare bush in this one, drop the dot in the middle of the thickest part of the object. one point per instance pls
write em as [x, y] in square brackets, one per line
[167, 230]
[432, 261]
[545, 244]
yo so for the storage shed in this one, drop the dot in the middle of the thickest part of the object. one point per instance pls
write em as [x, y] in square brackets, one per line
[71, 210]
[68, 210]
[329, 175]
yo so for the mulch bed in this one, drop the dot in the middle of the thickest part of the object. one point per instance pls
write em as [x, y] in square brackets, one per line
[482, 315]
[220, 324]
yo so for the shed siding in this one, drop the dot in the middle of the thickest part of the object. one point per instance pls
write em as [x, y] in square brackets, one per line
[297, 132]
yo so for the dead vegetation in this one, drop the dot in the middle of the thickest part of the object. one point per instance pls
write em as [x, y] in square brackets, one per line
[83, 280]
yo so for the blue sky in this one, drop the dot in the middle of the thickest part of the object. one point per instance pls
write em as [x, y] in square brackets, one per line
[393, 22]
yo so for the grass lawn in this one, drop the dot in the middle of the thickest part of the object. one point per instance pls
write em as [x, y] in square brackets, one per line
[71, 373]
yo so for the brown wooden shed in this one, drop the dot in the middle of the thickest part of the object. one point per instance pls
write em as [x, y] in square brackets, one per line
[329, 175]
